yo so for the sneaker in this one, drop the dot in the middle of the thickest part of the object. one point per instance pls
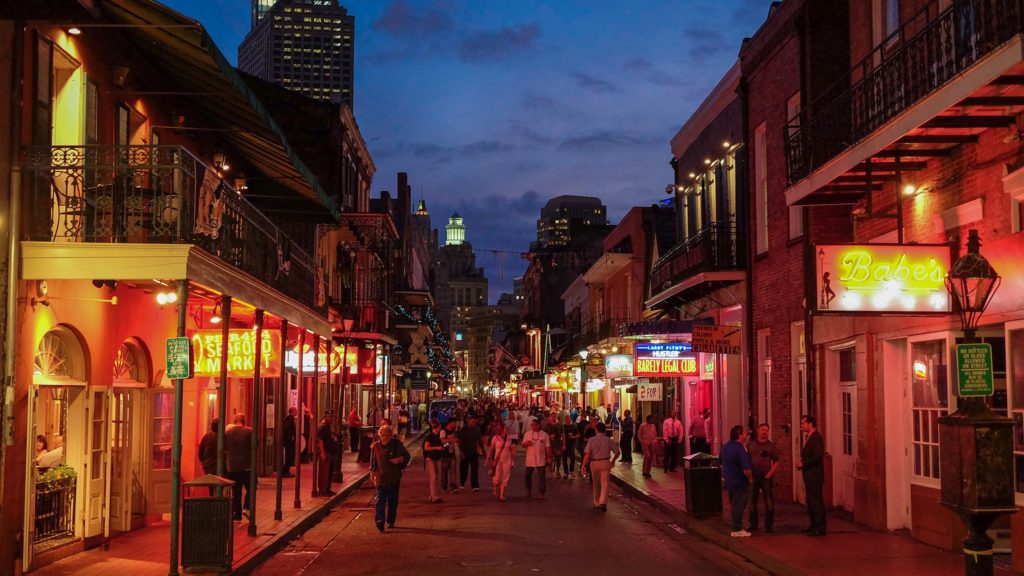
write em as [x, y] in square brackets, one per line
[476, 489]
[739, 534]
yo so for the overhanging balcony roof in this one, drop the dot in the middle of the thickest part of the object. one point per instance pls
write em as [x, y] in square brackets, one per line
[188, 57]
[609, 263]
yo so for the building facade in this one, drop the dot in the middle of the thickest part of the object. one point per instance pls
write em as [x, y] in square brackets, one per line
[562, 216]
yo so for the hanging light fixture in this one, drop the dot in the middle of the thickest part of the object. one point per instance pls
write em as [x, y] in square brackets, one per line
[215, 317]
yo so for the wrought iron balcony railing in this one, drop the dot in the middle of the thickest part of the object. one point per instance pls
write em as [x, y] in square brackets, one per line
[158, 195]
[929, 50]
[712, 249]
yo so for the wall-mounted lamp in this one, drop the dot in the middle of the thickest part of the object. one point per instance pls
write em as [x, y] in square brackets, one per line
[240, 183]
[75, 31]
[726, 144]
[121, 75]
[220, 161]
[168, 297]
[912, 190]
[215, 317]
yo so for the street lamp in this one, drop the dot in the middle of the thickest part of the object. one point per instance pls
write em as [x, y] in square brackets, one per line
[975, 444]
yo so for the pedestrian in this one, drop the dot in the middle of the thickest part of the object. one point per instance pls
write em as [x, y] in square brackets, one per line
[626, 437]
[648, 435]
[307, 428]
[403, 423]
[449, 470]
[736, 471]
[512, 427]
[602, 413]
[811, 465]
[698, 435]
[388, 459]
[433, 451]
[554, 430]
[414, 416]
[471, 445]
[572, 439]
[238, 445]
[422, 411]
[672, 431]
[538, 455]
[354, 429]
[499, 461]
[288, 437]
[207, 451]
[329, 449]
[600, 453]
[765, 458]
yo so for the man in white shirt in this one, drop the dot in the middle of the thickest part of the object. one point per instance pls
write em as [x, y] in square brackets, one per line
[672, 432]
[602, 413]
[512, 425]
[538, 456]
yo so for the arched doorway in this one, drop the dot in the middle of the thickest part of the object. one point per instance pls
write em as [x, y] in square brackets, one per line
[128, 472]
[59, 474]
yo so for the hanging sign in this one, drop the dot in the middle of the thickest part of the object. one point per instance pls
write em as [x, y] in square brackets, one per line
[881, 278]
[648, 391]
[179, 358]
[665, 359]
[241, 353]
[716, 339]
[974, 370]
[618, 366]
[311, 362]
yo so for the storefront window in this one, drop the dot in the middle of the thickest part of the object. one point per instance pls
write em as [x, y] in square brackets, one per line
[1016, 378]
[931, 400]
[163, 430]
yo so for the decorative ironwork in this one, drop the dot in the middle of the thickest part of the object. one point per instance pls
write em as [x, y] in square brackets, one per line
[712, 249]
[55, 510]
[931, 49]
[158, 194]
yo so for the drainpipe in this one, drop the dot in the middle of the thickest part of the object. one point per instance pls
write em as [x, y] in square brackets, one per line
[257, 394]
[222, 395]
[13, 219]
[176, 445]
[300, 421]
[280, 405]
[743, 218]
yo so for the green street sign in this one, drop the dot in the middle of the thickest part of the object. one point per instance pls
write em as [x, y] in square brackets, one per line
[974, 369]
[179, 358]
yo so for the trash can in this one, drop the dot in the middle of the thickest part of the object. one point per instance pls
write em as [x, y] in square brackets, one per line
[702, 478]
[367, 434]
[207, 532]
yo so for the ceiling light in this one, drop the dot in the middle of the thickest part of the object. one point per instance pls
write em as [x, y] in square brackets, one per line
[74, 30]
[215, 317]
[910, 189]
[726, 144]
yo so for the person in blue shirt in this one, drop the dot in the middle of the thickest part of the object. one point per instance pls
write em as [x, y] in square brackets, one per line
[737, 472]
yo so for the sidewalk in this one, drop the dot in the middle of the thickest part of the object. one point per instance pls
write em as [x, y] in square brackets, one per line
[146, 552]
[852, 548]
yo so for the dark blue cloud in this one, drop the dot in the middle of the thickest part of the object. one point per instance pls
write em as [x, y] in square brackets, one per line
[491, 45]
[593, 83]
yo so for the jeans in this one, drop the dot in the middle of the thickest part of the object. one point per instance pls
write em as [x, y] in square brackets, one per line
[324, 473]
[541, 474]
[240, 479]
[738, 498]
[626, 444]
[386, 497]
[766, 487]
[568, 461]
[671, 454]
[353, 438]
[433, 471]
[446, 467]
[470, 466]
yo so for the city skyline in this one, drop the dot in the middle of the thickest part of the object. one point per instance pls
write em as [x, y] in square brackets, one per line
[493, 112]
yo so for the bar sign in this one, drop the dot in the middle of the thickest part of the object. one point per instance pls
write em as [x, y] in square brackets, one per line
[179, 358]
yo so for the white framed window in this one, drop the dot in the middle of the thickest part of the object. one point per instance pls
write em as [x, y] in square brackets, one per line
[1015, 396]
[764, 376]
[931, 396]
[1013, 185]
[761, 188]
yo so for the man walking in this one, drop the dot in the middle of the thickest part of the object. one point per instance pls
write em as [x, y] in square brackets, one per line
[600, 453]
[736, 470]
[329, 450]
[648, 435]
[672, 431]
[812, 467]
[699, 435]
[238, 444]
[471, 444]
[764, 456]
[538, 455]
[288, 437]
[354, 425]
[388, 458]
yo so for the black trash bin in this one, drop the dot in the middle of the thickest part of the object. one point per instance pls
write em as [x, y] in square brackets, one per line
[367, 434]
[207, 532]
[702, 478]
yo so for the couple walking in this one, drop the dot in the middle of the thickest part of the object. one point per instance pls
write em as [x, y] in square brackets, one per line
[501, 457]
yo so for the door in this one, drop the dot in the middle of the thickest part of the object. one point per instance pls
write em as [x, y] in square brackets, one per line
[97, 467]
[842, 435]
[800, 407]
[161, 436]
[127, 498]
[897, 481]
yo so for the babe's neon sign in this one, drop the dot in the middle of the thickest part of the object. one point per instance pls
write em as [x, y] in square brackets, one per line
[882, 278]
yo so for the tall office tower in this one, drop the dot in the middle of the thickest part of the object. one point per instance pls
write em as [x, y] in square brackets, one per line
[301, 45]
[563, 216]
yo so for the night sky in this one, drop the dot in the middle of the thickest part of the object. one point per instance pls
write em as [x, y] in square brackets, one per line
[494, 106]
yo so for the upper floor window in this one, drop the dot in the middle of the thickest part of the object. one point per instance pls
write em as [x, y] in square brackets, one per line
[761, 188]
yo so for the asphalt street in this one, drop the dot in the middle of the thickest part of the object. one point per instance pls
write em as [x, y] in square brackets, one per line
[473, 533]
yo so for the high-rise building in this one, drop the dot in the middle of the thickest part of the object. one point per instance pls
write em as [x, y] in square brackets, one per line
[302, 45]
[564, 215]
[455, 231]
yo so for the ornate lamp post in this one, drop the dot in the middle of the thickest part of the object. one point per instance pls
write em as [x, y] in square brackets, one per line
[583, 378]
[976, 444]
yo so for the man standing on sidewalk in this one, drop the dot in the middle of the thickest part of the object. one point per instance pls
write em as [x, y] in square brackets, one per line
[600, 453]
[238, 445]
[764, 456]
[388, 458]
[648, 435]
[736, 469]
[354, 425]
[538, 455]
[626, 437]
[471, 444]
[329, 453]
[699, 435]
[812, 466]
[672, 431]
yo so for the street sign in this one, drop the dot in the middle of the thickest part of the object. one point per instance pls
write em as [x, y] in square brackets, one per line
[179, 358]
[974, 369]
[648, 391]
[709, 338]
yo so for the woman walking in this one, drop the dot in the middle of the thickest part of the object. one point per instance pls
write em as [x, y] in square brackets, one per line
[499, 460]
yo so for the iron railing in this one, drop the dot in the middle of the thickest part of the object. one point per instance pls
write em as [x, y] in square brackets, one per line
[712, 249]
[928, 51]
[55, 510]
[158, 195]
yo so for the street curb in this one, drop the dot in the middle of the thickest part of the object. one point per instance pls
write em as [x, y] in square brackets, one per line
[280, 541]
[707, 532]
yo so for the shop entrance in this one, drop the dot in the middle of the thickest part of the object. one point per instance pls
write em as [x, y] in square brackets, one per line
[127, 500]
[842, 417]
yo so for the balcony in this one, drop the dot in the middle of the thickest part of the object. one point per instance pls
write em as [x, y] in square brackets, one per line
[712, 249]
[157, 195]
[931, 50]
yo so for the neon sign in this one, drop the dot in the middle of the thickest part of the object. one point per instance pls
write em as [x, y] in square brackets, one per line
[618, 366]
[206, 344]
[882, 278]
[318, 362]
[667, 359]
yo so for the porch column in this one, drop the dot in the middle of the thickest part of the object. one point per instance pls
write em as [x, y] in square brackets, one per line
[282, 388]
[257, 408]
[222, 393]
[176, 441]
[300, 423]
[314, 450]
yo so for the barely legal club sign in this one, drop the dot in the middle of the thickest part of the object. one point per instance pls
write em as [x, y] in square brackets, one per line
[664, 359]
[882, 278]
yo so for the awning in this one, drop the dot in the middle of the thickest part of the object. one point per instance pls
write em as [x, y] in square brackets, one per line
[660, 328]
[192, 63]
